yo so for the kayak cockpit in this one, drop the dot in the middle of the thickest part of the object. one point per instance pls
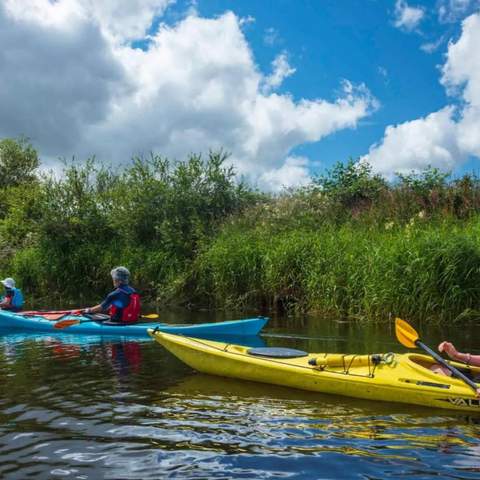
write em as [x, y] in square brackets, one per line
[426, 365]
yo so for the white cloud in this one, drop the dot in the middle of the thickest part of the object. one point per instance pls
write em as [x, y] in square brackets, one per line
[462, 69]
[71, 82]
[126, 20]
[414, 145]
[382, 71]
[450, 11]
[447, 137]
[246, 20]
[407, 17]
[281, 70]
[271, 36]
[57, 74]
[122, 20]
[462, 72]
[430, 47]
[294, 172]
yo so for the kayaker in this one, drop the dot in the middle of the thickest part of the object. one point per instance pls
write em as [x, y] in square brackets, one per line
[451, 351]
[123, 303]
[13, 298]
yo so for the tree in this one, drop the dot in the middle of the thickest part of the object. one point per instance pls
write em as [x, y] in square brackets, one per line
[18, 162]
[351, 185]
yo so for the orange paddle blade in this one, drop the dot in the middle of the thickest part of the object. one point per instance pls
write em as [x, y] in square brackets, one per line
[66, 323]
[406, 334]
[53, 316]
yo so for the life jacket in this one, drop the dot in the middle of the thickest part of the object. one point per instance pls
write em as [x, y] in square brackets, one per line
[17, 299]
[131, 312]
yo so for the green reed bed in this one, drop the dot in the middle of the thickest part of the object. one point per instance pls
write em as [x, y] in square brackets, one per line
[427, 271]
[350, 244]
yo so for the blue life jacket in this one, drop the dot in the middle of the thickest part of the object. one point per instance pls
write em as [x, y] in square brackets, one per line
[17, 300]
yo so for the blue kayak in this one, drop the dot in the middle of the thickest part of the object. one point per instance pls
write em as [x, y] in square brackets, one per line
[37, 323]
[13, 337]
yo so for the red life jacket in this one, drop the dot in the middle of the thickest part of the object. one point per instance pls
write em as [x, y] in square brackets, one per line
[131, 312]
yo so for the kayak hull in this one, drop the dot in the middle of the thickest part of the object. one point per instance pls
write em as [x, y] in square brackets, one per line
[406, 378]
[36, 323]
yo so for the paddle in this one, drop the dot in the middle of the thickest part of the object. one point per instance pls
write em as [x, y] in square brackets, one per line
[53, 315]
[49, 312]
[68, 323]
[408, 337]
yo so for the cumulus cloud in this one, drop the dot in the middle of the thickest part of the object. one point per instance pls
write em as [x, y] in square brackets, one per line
[293, 173]
[462, 69]
[126, 20]
[414, 145]
[121, 20]
[447, 137]
[407, 17]
[462, 72]
[281, 69]
[57, 73]
[71, 81]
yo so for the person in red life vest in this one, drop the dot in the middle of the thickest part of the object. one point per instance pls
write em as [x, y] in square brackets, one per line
[123, 304]
[13, 298]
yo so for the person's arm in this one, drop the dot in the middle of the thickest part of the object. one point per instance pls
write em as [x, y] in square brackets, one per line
[451, 351]
[7, 299]
[103, 307]
[96, 309]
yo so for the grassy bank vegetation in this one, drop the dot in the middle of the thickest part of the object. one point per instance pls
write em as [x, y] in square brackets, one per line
[349, 245]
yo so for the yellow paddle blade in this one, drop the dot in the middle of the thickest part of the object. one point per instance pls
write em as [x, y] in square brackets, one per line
[406, 334]
[150, 315]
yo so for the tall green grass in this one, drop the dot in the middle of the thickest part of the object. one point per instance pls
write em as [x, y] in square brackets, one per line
[425, 272]
[350, 245]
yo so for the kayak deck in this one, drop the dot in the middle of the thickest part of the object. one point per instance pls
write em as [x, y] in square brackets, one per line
[404, 378]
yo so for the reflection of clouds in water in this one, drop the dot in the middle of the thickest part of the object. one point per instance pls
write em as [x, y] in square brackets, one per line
[9, 353]
[468, 458]
[76, 417]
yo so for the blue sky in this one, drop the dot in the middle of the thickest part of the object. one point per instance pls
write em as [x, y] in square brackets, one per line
[328, 40]
[288, 87]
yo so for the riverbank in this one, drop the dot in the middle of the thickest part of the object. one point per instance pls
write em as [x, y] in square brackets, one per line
[350, 245]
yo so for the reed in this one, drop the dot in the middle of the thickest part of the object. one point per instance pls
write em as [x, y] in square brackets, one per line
[429, 271]
[350, 245]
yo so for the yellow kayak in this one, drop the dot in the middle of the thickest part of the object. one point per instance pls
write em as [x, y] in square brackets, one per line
[390, 377]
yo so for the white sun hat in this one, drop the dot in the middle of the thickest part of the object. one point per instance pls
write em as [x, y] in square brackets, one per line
[8, 282]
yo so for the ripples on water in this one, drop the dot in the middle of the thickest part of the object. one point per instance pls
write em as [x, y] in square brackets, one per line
[109, 408]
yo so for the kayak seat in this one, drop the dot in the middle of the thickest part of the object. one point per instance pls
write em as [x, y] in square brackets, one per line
[277, 352]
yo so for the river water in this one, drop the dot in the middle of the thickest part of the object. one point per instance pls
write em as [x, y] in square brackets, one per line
[116, 408]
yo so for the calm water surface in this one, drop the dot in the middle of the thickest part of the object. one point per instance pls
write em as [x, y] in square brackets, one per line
[92, 407]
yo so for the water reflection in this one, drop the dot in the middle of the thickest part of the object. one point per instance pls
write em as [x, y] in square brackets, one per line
[93, 407]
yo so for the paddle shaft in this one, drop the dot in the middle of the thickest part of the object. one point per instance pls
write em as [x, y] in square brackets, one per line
[70, 322]
[454, 371]
[47, 312]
